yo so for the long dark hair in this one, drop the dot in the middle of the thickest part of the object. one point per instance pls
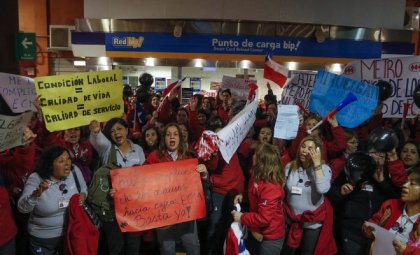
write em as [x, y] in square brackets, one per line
[182, 150]
[44, 166]
[144, 144]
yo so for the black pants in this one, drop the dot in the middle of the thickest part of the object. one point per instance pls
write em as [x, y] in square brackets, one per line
[120, 243]
[185, 231]
[265, 247]
[307, 245]
[22, 237]
[353, 243]
[46, 246]
[218, 224]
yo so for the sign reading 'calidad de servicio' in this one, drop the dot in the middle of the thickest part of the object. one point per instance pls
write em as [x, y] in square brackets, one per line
[74, 100]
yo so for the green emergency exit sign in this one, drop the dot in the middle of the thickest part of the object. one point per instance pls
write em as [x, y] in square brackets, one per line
[25, 46]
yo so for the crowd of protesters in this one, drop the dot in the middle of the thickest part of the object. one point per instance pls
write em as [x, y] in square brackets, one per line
[300, 196]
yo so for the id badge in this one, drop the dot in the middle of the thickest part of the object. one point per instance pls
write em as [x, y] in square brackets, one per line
[63, 203]
[367, 187]
[296, 190]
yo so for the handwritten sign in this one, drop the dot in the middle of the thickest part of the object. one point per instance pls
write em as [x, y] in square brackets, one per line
[11, 130]
[18, 92]
[403, 73]
[234, 133]
[75, 100]
[238, 86]
[330, 89]
[287, 122]
[299, 88]
[157, 195]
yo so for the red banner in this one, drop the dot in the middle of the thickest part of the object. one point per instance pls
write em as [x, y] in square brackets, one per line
[157, 195]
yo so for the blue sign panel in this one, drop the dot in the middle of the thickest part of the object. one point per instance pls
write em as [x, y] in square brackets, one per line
[227, 44]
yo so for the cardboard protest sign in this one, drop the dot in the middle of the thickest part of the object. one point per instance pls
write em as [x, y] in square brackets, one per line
[11, 130]
[18, 92]
[403, 73]
[74, 100]
[299, 88]
[330, 89]
[238, 86]
[157, 195]
[235, 132]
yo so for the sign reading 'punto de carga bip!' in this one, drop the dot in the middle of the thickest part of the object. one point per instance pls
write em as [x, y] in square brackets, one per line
[74, 100]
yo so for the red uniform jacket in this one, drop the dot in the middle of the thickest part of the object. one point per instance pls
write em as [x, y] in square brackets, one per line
[266, 209]
[389, 213]
[82, 156]
[7, 223]
[195, 128]
[326, 243]
[223, 114]
[337, 166]
[397, 172]
[226, 178]
[16, 165]
[82, 236]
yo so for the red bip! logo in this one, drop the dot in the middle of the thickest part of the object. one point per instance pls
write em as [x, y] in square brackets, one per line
[349, 70]
[415, 67]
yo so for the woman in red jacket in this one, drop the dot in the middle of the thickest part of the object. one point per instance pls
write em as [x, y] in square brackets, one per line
[401, 217]
[173, 148]
[266, 194]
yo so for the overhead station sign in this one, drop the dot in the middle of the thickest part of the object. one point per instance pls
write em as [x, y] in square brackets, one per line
[74, 100]
[244, 45]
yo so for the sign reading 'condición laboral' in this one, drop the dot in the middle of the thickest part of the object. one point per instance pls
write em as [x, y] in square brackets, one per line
[74, 100]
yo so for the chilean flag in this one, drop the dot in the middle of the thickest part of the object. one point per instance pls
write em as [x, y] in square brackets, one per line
[172, 87]
[275, 72]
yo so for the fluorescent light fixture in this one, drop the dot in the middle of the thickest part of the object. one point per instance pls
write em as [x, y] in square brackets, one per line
[292, 66]
[245, 64]
[198, 62]
[104, 61]
[336, 68]
[79, 63]
[150, 61]
[210, 69]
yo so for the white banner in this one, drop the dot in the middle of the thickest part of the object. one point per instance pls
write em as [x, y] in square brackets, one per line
[235, 132]
[11, 130]
[403, 73]
[299, 88]
[18, 92]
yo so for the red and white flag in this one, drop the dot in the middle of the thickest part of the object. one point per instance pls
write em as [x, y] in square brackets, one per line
[168, 90]
[275, 72]
[171, 87]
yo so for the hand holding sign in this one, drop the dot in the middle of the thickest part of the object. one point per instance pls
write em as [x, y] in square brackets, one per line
[158, 195]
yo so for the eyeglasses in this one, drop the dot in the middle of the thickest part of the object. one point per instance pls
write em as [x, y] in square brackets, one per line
[63, 188]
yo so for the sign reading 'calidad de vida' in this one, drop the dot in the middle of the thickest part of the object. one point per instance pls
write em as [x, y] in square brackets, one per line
[74, 100]
[157, 195]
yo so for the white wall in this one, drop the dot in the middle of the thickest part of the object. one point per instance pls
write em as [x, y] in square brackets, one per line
[358, 13]
[206, 77]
